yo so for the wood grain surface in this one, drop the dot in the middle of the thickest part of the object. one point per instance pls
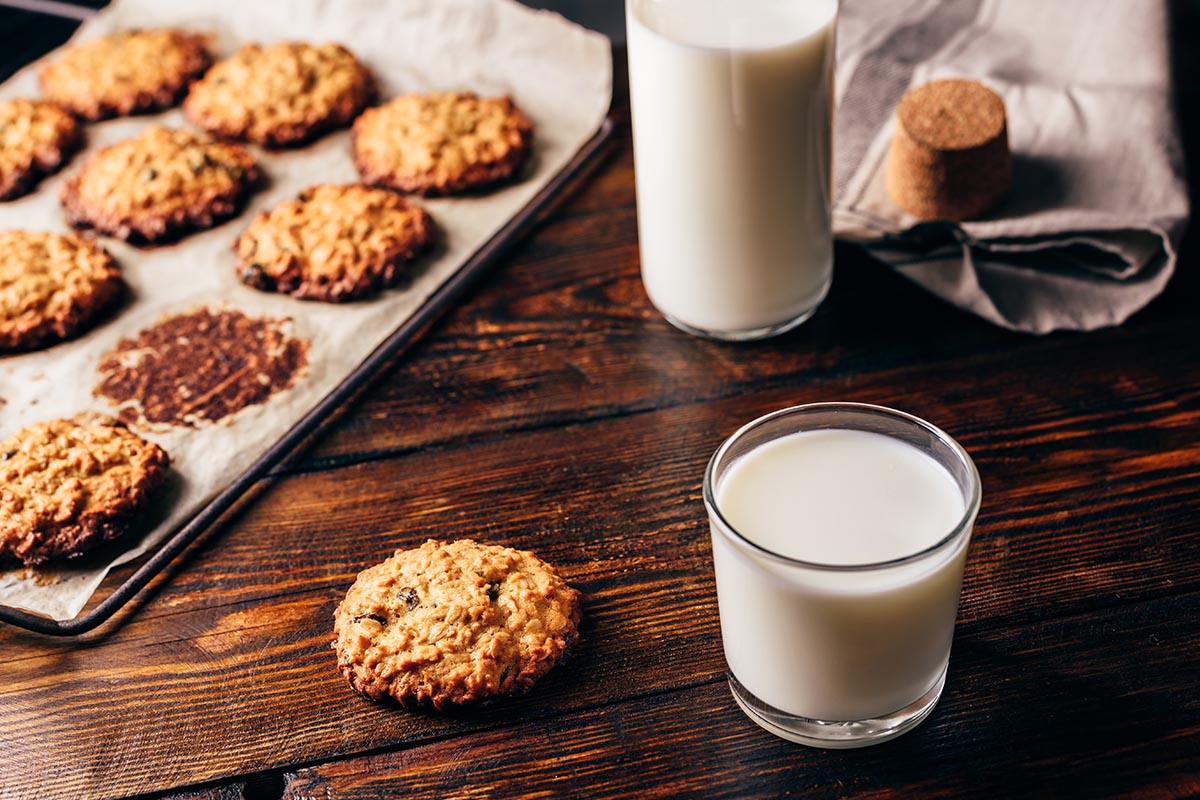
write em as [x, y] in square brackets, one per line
[554, 410]
[1021, 706]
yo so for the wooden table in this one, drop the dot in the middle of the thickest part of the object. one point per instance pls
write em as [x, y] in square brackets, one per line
[555, 410]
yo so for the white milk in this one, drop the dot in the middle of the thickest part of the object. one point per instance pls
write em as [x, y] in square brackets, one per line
[732, 119]
[838, 645]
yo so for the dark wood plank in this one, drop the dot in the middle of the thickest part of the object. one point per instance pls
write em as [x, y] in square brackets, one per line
[1090, 503]
[565, 333]
[1039, 711]
[1121, 432]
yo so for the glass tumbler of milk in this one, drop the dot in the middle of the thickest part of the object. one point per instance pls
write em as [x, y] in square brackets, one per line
[839, 533]
[732, 106]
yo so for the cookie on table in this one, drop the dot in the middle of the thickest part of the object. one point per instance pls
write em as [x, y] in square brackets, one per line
[450, 623]
[436, 144]
[129, 72]
[36, 138]
[52, 287]
[69, 485]
[333, 243]
[282, 95]
[159, 185]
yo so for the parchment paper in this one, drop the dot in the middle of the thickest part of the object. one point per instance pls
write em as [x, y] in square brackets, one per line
[559, 73]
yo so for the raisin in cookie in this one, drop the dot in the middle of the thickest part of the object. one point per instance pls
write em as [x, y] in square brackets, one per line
[130, 72]
[282, 95]
[333, 243]
[436, 144]
[52, 287]
[452, 623]
[159, 185]
[70, 484]
[36, 137]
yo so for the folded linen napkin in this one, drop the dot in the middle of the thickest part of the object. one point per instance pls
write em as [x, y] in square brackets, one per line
[1088, 233]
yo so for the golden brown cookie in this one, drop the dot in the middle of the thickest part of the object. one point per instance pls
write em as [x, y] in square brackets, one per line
[52, 287]
[36, 138]
[159, 185]
[282, 95]
[130, 72]
[70, 484]
[450, 623]
[436, 144]
[333, 243]
[949, 158]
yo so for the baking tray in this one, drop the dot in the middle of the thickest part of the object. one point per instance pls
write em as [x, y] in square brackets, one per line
[405, 335]
[310, 424]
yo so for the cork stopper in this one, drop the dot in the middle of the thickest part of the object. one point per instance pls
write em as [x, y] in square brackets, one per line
[949, 158]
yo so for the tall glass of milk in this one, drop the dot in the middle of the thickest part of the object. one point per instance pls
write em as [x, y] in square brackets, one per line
[732, 106]
[839, 533]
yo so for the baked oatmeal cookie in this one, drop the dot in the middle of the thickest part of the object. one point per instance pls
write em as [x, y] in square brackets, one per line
[52, 287]
[129, 72]
[159, 185]
[282, 95]
[450, 623]
[36, 138]
[436, 144]
[70, 484]
[333, 243]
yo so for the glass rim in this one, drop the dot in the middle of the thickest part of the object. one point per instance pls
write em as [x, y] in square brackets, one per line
[963, 525]
[632, 9]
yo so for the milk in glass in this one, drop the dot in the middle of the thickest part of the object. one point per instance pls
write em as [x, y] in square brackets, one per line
[732, 120]
[838, 644]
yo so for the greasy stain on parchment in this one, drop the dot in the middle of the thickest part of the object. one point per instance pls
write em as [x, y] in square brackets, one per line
[200, 367]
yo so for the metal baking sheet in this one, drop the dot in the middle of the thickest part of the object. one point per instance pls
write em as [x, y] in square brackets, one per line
[558, 73]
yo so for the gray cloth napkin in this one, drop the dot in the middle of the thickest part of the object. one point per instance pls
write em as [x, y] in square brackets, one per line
[1089, 231]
